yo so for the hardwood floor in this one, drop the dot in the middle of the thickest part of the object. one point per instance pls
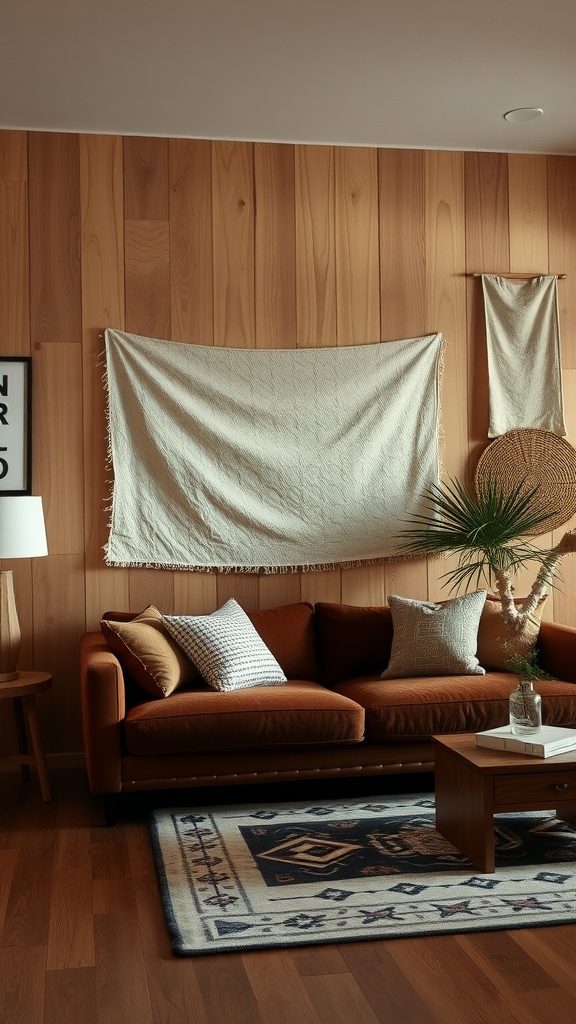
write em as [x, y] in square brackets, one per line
[83, 941]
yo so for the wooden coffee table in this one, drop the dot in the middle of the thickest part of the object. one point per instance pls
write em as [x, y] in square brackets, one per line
[474, 783]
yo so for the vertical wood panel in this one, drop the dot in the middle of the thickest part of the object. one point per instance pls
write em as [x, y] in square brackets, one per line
[275, 246]
[357, 249]
[14, 245]
[403, 313]
[195, 593]
[151, 586]
[55, 284]
[402, 244]
[146, 178]
[527, 177]
[147, 260]
[233, 245]
[446, 295]
[356, 233]
[364, 585]
[315, 246]
[277, 589]
[101, 192]
[562, 250]
[242, 586]
[528, 201]
[59, 620]
[315, 273]
[58, 455]
[13, 156]
[321, 586]
[487, 251]
[446, 309]
[234, 290]
[191, 298]
[191, 241]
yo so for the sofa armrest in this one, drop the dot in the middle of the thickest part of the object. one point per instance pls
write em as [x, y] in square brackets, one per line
[557, 648]
[103, 709]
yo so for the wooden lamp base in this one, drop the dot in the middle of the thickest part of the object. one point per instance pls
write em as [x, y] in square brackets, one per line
[9, 629]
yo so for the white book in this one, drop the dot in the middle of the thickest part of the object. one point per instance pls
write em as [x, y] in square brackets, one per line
[547, 741]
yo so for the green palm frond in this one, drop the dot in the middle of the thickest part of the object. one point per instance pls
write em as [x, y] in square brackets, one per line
[485, 530]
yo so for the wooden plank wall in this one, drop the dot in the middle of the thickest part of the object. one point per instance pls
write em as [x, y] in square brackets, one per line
[244, 244]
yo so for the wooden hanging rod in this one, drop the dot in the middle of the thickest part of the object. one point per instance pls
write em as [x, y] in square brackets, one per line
[561, 277]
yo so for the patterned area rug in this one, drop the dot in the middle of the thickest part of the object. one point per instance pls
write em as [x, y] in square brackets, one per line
[254, 877]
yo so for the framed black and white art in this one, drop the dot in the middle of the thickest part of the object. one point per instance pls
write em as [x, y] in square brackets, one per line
[15, 425]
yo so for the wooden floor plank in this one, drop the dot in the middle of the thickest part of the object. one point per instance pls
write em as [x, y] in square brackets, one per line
[22, 984]
[549, 948]
[454, 990]
[121, 982]
[28, 909]
[71, 997]
[8, 860]
[384, 985]
[71, 934]
[338, 999]
[280, 993]
[226, 993]
[318, 960]
[174, 990]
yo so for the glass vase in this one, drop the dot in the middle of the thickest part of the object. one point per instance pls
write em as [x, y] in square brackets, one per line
[525, 709]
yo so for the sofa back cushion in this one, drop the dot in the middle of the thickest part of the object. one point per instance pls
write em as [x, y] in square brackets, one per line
[288, 633]
[351, 641]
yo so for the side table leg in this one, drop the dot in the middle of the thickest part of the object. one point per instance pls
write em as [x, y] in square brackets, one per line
[21, 734]
[31, 718]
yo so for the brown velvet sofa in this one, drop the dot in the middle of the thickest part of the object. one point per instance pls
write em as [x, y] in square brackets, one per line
[335, 717]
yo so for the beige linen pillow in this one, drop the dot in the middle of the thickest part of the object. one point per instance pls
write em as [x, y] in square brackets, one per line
[226, 648]
[148, 654]
[497, 641]
[435, 639]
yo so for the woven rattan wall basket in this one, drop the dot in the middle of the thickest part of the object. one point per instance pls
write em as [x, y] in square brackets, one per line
[533, 458]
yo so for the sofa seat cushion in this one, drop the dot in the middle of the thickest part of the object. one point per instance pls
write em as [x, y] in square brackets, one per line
[420, 707]
[298, 713]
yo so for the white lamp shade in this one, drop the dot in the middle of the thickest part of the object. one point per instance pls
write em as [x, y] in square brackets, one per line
[22, 530]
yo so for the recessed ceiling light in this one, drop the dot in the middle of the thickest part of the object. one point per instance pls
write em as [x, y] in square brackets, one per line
[524, 114]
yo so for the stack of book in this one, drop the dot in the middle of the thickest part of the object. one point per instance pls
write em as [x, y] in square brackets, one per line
[549, 740]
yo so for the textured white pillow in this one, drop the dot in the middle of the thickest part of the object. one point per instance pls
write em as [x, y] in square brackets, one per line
[226, 648]
[435, 639]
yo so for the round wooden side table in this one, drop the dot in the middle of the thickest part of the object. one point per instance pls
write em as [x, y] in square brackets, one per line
[22, 691]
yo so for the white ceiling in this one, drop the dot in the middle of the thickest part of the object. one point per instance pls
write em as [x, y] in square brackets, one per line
[429, 74]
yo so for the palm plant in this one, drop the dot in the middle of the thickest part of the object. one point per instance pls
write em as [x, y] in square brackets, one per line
[488, 532]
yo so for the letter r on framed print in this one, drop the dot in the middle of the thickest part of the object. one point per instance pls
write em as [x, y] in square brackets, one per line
[15, 421]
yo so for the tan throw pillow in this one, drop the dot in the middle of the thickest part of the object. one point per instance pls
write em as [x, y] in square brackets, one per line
[226, 648]
[435, 639]
[497, 641]
[148, 654]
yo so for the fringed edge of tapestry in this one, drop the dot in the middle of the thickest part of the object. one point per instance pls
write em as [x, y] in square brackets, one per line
[263, 570]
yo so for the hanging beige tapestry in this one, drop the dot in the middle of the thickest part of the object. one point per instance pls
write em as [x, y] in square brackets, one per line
[267, 460]
[524, 369]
